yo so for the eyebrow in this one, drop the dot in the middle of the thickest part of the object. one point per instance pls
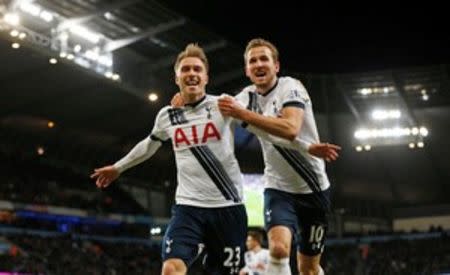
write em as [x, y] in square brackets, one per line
[191, 66]
[258, 57]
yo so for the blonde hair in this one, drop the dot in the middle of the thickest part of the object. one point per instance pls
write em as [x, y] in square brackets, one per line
[192, 50]
[259, 42]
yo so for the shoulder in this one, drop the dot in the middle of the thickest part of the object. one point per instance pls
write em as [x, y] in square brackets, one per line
[292, 89]
[163, 111]
[288, 82]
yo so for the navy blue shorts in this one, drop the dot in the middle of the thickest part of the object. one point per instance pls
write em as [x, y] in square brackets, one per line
[220, 231]
[302, 214]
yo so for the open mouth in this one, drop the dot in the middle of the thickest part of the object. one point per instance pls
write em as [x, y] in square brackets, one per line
[192, 81]
[260, 73]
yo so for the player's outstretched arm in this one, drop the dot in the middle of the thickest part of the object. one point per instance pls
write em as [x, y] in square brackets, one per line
[141, 152]
[280, 135]
[326, 151]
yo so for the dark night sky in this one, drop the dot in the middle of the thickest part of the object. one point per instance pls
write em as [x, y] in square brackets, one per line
[319, 37]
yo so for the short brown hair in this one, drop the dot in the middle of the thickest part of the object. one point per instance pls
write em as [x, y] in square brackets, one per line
[192, 50]
[259, 42]
[256, 235]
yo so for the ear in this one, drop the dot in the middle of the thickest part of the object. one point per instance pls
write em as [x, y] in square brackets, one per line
[247, 71]
[177, 79]
[277, 66]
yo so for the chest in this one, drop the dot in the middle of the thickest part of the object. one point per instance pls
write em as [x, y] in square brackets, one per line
[194, 127]
[271, 106]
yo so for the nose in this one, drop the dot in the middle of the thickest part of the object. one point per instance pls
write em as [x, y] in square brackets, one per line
[192, 72]
[259, 63]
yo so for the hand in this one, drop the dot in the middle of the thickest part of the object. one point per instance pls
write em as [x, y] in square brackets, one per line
[105, 176]
[327, 151]
[177, 101]
[228, 106]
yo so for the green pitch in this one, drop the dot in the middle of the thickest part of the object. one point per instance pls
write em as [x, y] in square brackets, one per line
[254, 204]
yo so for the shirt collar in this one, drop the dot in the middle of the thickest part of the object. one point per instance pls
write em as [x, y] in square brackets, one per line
[271, 89]
[196, 103]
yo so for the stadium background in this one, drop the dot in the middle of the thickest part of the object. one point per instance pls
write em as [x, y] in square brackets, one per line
[81, 81]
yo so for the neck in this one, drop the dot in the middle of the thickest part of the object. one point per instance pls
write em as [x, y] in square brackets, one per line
[264, 88]
[192, 98]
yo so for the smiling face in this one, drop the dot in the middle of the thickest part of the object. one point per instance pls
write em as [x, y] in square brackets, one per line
[261, 67]
[191, 77]
[191, 73]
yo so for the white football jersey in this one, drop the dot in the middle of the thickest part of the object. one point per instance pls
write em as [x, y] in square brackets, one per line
[288, 170]
[203, 140]
[254, 261]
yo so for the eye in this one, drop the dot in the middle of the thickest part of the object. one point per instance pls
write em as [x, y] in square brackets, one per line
[198, 69]
[185, 69]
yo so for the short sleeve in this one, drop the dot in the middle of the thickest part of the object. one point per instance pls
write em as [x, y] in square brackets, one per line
[294, 95]
[159, 132]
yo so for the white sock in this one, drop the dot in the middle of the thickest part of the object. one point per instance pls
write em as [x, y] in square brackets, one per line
[278, 266]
